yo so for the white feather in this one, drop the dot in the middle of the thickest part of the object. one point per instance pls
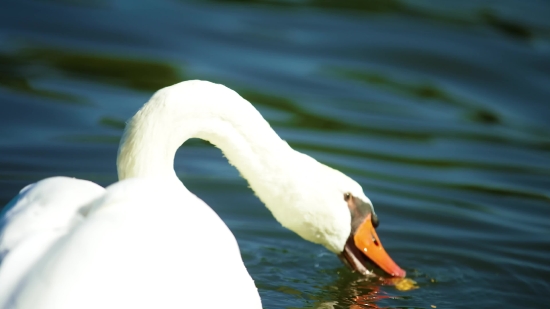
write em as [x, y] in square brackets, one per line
[146, 241]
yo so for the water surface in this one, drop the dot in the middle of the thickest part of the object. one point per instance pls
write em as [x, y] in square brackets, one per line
[438, 109]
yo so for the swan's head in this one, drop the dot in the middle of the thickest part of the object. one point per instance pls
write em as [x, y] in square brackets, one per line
[329, 208]
[363, 243]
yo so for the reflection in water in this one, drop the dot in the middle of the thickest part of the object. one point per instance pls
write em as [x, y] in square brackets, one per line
[360, 292]
[508, 27]
[481, 16]
[14, 77]
[421, 91]
[138, 74]
[85, 3]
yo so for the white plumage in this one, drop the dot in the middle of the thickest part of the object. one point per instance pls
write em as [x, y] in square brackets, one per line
[146, 241]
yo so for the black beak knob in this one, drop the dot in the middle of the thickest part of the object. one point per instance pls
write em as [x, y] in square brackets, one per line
[375, 221]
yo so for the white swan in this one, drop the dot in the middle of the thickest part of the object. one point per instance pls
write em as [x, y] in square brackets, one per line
[147, 242]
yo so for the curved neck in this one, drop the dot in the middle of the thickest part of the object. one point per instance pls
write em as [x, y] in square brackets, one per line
[204, 110]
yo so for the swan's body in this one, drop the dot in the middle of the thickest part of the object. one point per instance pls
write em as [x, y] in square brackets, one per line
[146, 241]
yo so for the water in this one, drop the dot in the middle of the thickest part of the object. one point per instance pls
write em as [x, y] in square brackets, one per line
[439, 109]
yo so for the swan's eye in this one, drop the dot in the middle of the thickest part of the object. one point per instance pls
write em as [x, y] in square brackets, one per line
[347, 196]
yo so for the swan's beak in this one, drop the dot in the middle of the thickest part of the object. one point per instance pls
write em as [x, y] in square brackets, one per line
[367, 241]
[363, 247]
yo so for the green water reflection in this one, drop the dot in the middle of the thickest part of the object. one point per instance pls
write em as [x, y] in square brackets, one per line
[14, 77]
[19, 68]
[482, 16]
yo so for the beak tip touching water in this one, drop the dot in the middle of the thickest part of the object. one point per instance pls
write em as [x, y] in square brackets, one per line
[367, 241]
[399, 272]
[364, 246]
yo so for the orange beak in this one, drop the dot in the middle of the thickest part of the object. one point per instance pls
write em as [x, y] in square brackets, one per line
[367, 241]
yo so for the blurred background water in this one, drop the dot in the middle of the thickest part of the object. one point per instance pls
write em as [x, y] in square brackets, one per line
[439, 109]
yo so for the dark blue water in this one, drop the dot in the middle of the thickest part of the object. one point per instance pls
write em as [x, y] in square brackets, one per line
[441, 110]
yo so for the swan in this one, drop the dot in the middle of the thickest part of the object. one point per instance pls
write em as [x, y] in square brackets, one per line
[148, 242]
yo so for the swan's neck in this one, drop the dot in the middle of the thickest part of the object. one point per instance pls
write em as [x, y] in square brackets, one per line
[208, 111]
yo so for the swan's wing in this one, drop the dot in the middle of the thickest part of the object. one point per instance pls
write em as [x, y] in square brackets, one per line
[144, 244]
[39, 215]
